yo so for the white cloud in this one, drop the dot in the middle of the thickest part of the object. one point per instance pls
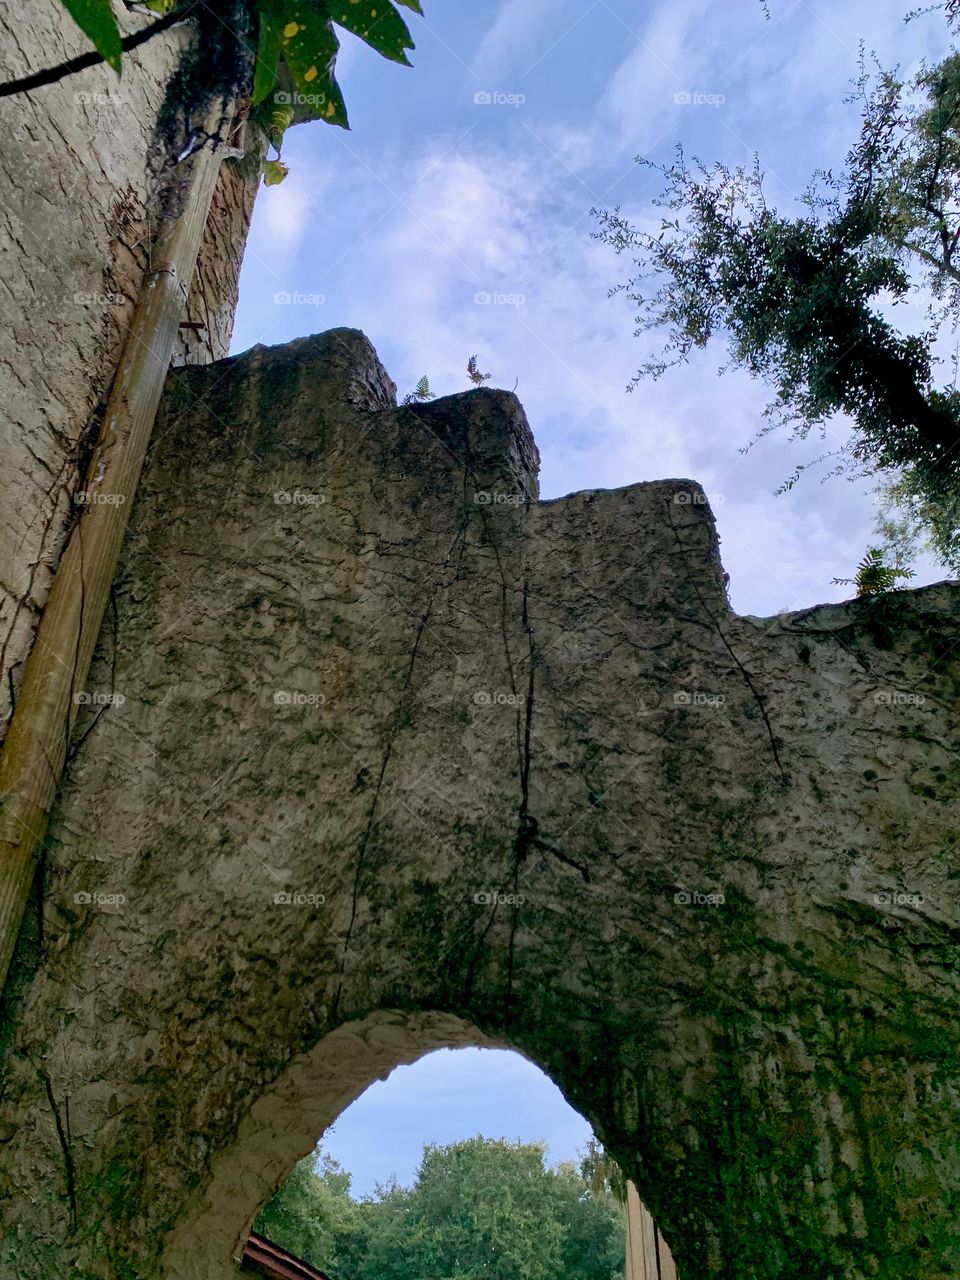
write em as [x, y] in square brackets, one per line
[671, 53]
[284, 213]
[497, 213]
[510, 45]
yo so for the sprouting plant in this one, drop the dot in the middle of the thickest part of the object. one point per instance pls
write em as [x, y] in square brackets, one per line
[874, 576]
[420, 392]
[474, 374]
[272, 119]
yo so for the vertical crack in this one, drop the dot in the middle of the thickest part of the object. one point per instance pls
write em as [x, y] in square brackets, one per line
[527, 826]
[63, 1136]
[387, 752]
[747, 678]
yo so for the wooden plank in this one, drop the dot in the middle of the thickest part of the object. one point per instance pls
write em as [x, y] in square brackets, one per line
[636, 1265]
[649, 1230]
[668, 1268]
[56, 671]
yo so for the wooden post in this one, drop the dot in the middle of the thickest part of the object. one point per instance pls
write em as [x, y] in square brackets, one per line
[648, 1257]
[636, 1268]
[36, 744]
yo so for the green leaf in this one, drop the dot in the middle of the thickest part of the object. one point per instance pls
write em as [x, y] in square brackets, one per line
[376, 22]
[309, 48]
[269, 43]
[95, 19]
[274, 172]
[412, 4]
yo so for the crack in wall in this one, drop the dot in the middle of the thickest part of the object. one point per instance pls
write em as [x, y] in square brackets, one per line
[748, 679]
[63, 1137]
[439, 586]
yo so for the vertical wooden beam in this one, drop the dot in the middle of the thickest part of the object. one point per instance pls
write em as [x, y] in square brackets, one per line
[36, 744]
[668, 1269]
[636, 1268]
[649, 1235]
[648, 1256]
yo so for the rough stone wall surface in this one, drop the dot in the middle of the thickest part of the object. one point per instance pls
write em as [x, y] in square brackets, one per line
[406, 757]
[80, 162]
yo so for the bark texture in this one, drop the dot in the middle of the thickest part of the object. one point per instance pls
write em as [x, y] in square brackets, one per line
[86, 171]
[382, 753]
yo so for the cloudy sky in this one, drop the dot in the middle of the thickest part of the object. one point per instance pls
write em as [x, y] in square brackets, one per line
[446, 1096]
[472, 177]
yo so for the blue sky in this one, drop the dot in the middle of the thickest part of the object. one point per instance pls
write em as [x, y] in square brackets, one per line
[445, 1096]
[474, 174]
[433, 198]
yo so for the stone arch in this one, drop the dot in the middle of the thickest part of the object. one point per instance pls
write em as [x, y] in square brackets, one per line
[285, 1122]
[397, 736]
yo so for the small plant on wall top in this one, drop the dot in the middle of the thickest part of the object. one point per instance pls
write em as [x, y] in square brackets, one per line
[420, 393]
[474, 374]
[875, 576]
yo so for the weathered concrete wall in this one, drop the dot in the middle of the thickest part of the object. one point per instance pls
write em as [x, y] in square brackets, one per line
[504, 757]
[80, 169]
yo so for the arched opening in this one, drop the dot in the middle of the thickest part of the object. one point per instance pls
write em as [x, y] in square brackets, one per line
[284, 1125]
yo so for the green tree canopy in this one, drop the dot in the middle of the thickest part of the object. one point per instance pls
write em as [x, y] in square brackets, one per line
[311, 1211]
[804, 300]
[478, 1210]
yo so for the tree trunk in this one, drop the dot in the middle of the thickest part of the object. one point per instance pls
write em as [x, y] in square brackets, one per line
[36, 744]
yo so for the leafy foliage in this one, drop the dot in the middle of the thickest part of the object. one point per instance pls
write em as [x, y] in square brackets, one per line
[420, 393]
[95, 18]
[601, 1172]
[298, 37]
[474, 374]
[378, 24]
[874, 575]
[274, 172]
[477, 1208]
[803, 299]
[311, 1210]
[492, 1209]
[296, 41]
[909, 522]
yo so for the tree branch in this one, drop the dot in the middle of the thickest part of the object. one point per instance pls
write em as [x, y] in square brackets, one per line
[51, 75]
[941, 264]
